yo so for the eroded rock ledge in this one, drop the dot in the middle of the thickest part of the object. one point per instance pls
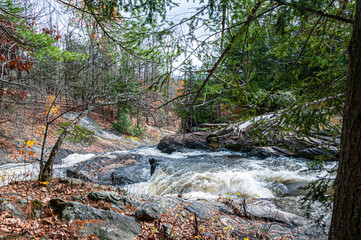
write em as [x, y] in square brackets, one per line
[257, 140]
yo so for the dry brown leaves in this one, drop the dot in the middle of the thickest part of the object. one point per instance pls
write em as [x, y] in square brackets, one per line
[48, 225]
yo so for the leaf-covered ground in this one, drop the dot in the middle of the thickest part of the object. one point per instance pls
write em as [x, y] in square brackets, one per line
[26, 121]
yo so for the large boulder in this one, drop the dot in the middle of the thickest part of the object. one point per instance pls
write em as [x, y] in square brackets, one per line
[108, 225]
[111, 169]
[172, 143]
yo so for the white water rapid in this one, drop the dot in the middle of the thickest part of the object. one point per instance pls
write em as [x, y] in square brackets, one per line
[197, 174]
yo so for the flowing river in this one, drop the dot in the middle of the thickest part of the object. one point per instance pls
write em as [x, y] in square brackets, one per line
[196, 174]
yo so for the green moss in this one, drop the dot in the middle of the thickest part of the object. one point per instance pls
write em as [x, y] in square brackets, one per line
[79, 134]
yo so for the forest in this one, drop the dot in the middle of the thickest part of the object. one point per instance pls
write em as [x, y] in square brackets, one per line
[203, 119]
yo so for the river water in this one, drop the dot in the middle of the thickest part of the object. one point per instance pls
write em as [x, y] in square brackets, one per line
[197, 174]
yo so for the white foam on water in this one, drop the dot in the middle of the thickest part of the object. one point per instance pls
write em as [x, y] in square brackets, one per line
[209, 183]
[74, 159]
[21, 172]
[18, 172]
[152, 151]
[249, 177]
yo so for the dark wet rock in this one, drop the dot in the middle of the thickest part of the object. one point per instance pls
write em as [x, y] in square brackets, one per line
[130, 175]
[247, 136]
[111, 169]
[244, 145]
[153, 165]
[313, 153]
[274, 144]
[172, 143]
[279, 189]
[264, 152]
[111, 225]
[296, 188]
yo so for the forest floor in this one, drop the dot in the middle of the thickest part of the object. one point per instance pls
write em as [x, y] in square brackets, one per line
[23, 122]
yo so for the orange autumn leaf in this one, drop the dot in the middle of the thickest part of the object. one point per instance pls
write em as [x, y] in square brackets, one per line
[31, 152]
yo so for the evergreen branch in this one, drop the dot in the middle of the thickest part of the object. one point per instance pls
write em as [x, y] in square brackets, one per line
[318, 12]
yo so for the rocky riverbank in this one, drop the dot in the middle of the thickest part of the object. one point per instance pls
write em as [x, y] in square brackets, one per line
[257, 139]
[72, 208]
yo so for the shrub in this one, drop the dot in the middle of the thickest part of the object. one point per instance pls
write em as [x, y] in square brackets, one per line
[123, 124]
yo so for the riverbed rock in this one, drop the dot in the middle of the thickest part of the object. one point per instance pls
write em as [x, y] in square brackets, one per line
[264, 152]
[313, 153]
[111, 169]
[110, 225]
[172, 143]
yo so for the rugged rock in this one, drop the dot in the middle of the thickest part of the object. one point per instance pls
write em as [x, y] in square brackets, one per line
[264, 152]
[245, 137]
[107, 196]
[111, 169]
[312, 153]
[150, 211]
[130, 174]
[267, 211]
[110, 225]
[279, 223]
[172, 143]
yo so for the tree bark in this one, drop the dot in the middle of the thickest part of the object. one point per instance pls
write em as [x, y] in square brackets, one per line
[346, 216]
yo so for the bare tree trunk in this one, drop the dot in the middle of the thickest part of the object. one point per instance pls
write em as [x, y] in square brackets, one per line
[346, 216]
[47, 173]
